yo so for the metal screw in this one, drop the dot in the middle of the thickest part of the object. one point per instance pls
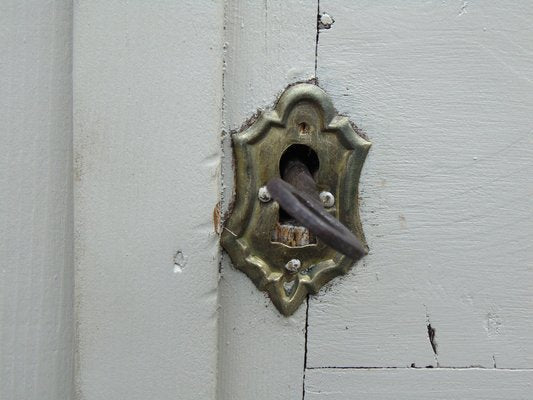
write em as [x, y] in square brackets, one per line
[293, 265]
[328, 200]
[264, 195]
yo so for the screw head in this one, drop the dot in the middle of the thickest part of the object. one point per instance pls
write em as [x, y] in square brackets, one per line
[328, 200]
[293, 265]
[263, 194]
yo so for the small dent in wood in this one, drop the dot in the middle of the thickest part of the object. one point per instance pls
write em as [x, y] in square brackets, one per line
[180, 261]
[494, 324]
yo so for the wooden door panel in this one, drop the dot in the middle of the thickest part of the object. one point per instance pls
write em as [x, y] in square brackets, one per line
[147, 112]
[443, 90]
[418, 384]
[269, 45]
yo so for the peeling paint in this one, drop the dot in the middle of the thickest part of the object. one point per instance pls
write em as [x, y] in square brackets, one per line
[216, 218]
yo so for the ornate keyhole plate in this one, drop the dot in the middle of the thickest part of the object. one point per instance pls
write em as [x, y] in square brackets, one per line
[289, 270]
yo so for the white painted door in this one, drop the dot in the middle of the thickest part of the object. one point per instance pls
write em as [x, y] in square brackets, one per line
[36, 257]
[444, 91]
[441, 307]
[147, 112]
[113, 282]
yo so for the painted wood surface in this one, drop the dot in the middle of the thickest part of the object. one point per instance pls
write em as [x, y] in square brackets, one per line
[419, 384]
[36, 259]
[268, 45]
[444, 92]
[147, 113]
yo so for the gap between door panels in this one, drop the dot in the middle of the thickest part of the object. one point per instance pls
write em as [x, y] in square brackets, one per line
[306, 332]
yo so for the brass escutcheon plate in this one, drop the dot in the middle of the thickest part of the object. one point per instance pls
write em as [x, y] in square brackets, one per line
[304, 115]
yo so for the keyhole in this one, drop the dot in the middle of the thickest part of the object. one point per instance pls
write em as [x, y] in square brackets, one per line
[287, 230]
[302, 153]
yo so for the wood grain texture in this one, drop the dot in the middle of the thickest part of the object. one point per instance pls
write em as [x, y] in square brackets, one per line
[147, 111]
[418, 384]
[269, 45]
[36, 258]
[444, 92]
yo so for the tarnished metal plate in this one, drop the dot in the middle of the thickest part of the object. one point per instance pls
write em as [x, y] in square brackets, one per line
[304, 115]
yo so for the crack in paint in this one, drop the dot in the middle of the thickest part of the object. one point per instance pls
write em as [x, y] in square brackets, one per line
[305, 346]
[431, 336]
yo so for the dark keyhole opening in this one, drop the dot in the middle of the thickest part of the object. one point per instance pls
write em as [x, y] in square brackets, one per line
[288, 231]
[302, 153]
[308, 157]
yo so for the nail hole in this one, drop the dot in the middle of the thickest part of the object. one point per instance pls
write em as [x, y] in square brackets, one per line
[303, 128]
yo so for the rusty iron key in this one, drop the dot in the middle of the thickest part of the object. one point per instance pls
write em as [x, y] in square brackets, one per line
[297, 194]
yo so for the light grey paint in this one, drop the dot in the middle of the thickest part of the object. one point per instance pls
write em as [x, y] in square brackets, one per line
[442, 88]
[147, 112]
[444, 91]
[419, 384]
[268, 46]
[36, 261]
